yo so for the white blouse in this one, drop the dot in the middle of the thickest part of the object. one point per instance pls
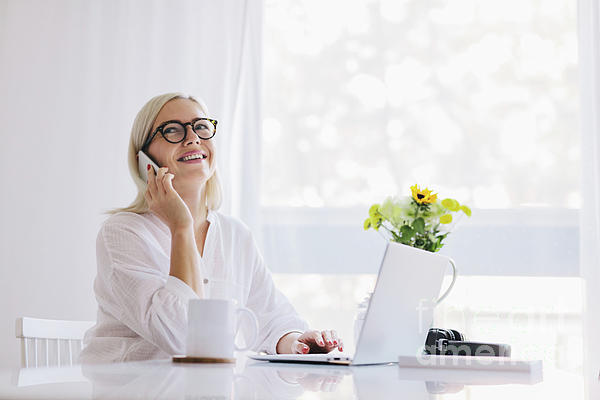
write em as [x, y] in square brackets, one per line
[142, 310]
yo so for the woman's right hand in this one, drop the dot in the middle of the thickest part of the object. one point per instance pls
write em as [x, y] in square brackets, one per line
[165, 202]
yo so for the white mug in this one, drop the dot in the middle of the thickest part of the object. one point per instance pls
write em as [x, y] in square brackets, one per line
[212, 327]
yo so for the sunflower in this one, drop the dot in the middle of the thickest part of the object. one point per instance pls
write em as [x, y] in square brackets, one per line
[423, 196]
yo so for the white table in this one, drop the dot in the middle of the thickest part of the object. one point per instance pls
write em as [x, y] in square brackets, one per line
[163, 379]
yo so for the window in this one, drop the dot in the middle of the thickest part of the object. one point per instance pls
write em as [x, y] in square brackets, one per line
[365, 98]
[477, 100]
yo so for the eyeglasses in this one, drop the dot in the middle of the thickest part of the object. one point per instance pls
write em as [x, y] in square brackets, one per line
[176, 132]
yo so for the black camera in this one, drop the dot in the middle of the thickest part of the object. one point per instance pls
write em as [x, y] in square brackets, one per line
[450, 342]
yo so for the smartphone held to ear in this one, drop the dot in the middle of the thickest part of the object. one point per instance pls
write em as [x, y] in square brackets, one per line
[143, 161]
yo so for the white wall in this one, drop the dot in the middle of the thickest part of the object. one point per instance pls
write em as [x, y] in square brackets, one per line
[73, 74]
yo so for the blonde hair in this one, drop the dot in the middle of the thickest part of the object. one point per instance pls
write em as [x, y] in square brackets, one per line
[139, 133]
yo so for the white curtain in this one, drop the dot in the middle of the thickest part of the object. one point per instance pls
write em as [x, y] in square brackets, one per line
[244, 148]
[73, 76]
[589, 56]
[96, 63]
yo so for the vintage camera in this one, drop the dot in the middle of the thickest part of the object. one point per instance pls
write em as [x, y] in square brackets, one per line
[450, 342]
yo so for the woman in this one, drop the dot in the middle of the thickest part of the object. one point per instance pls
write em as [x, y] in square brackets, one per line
[171, 245]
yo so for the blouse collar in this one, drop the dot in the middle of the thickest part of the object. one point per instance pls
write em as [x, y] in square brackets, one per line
[211, 216]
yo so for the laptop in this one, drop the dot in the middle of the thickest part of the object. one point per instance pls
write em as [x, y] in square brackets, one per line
[399, 314]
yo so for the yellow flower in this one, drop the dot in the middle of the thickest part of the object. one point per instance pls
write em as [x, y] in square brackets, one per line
[372, 222]
[374, 210]
[423, 196]
[466, 210]
[451, 204]
[446, 219]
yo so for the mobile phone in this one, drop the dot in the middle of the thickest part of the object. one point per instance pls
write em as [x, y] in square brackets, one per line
[143, 161]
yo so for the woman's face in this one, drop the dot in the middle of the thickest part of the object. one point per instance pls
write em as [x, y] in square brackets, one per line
[187, 173]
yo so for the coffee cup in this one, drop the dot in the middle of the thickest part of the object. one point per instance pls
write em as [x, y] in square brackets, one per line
[212, 327]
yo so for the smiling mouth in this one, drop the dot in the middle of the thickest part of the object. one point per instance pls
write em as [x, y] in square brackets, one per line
[193, 157]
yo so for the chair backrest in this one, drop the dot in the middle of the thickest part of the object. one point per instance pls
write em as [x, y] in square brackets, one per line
[48, 342]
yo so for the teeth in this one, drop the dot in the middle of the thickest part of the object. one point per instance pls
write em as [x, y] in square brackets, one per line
[193, 157]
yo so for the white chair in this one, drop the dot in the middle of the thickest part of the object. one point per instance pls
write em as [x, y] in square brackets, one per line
[48, 342]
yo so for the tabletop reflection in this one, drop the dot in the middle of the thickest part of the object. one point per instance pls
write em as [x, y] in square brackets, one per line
[249, 379]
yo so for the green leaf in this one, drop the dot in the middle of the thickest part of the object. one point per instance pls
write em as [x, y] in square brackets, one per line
[407, 232]
[419, 225]
[466, 210]
[404, 241]
[451, 204]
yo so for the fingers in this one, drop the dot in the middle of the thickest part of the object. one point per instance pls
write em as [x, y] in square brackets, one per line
[327, 338]
[337, 341]
[314, 340]
[321, 341]
[168, 182]
[160, 175]
[331, 340]
[159, 182]
[334, 337]
[318, 338]
[299, 347]
[151, 180]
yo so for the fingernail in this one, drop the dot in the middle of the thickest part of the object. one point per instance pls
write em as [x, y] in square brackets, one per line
[329, 343]
[335, 342]
[305, 349]
[341, 349]
[321, 343]
[148, 167]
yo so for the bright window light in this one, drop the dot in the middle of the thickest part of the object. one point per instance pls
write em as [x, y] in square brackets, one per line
[476, 99]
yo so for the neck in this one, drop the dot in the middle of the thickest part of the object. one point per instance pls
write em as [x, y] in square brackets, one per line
[195, 199]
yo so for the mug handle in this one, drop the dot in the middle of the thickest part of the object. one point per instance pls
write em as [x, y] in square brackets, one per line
[255, 320]
[447, 292]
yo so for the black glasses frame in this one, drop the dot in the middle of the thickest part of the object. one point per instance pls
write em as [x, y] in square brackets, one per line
[185, 131]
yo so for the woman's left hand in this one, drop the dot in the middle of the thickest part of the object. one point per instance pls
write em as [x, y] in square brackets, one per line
[317, 342]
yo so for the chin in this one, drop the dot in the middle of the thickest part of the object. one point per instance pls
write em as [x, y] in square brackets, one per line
[193, 178]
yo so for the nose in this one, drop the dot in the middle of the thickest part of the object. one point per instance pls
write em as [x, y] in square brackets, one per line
[191, 136]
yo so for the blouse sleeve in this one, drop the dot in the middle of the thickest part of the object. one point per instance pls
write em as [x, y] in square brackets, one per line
[276, 316]
[134, 290]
